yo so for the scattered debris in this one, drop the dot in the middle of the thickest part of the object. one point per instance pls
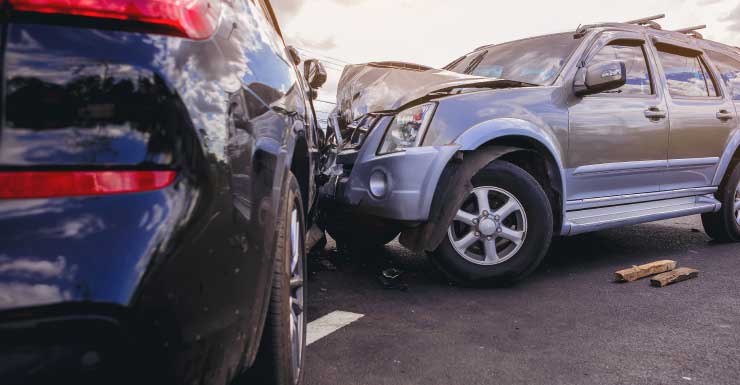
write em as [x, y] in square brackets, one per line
[392, 273]
[315, 239]
[636, 272]
[671, 277]
[328, 265]
[389, 278]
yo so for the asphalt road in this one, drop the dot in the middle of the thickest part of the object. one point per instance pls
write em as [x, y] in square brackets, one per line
[567, 324]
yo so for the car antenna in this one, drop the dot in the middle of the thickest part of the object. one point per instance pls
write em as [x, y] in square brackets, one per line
[692, 31]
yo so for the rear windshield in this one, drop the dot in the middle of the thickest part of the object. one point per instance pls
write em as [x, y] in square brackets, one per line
[537, 60]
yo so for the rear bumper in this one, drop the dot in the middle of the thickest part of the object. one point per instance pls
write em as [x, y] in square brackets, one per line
[81, 343]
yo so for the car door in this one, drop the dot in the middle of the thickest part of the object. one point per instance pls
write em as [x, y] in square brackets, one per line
[701, 115]
[619, 138]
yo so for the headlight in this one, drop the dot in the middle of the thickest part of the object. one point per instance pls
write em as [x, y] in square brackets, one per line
[407, 129]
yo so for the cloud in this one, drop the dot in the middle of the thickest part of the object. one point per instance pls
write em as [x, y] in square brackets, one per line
[708, 2]
[287, 9]
[348, 2]
[321, 44]
[18, 294]
[734, 19]
[33, 267]
[75, 228]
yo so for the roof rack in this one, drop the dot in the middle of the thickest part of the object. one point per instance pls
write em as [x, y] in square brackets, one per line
[692, 31]
[648, 21]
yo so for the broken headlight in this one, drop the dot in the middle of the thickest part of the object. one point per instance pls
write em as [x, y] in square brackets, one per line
[407, 129]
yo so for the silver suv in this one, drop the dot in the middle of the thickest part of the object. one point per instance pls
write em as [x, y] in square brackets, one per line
[482, 163]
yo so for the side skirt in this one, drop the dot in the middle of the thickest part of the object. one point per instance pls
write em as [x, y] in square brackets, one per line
[599, 218]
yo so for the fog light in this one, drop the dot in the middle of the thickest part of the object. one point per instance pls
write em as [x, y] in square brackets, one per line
[378, 184]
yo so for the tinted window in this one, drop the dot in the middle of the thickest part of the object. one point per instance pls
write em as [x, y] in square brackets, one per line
[685, 73]
[633, 56]
[729, 70]
[535, 61]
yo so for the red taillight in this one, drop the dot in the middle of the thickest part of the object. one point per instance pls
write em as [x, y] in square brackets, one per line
[195, 19]
[49, 184]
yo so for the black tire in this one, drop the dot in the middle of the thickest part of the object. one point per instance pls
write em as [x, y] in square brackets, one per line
[274, 360]
[722, 226]
[514, 180]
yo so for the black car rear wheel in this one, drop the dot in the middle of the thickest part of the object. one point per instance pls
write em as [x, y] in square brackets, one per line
[281, 357]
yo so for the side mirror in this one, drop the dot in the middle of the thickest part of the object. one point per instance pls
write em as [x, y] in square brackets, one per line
[295, 57]
[315, 73]
[600, 77]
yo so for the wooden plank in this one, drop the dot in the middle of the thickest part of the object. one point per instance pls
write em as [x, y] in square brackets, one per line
[636, 272]
[674, 276]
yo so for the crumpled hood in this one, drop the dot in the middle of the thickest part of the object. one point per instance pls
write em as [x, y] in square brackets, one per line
[387, 86]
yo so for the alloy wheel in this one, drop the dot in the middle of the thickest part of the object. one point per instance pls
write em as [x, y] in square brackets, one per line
[296, 293]
[490, 227]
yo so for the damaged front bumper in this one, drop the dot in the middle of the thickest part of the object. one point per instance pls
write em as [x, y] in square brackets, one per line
[398, 186]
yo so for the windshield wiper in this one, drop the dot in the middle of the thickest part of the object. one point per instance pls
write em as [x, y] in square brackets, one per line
[489, 84]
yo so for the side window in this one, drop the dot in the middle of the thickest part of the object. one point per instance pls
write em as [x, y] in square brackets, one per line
[633, 56]
[686, 73]
[729, 70]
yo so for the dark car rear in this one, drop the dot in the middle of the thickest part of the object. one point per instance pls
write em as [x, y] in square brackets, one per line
[143, 149]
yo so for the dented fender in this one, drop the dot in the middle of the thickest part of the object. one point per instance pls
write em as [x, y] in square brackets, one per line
[451, 191]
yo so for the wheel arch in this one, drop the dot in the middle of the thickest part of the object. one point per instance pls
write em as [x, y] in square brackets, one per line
[517, 149]
[531, 138]
[730, 158]
[300, 166]
[533, 157]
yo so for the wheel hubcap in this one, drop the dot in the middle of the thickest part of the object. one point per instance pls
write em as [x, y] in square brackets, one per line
[296, 294]
[491, 225]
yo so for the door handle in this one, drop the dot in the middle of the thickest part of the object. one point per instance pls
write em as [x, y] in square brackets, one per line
[655, 113]
[724, 115]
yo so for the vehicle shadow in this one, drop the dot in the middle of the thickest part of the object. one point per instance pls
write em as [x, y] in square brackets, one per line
[579, 254]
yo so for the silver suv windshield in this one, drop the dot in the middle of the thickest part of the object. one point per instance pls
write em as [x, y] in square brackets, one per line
[535, 61]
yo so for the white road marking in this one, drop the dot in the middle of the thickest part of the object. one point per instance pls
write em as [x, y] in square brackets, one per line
[322, 327]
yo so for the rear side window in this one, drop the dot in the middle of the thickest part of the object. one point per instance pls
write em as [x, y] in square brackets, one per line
[633, 56]
[729, 70]
[686, 74]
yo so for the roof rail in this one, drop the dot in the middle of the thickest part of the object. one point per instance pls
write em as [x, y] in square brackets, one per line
[648, 21]
[692, 31]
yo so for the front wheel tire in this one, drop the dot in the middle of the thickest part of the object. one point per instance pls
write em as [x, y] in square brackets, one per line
[501, 232]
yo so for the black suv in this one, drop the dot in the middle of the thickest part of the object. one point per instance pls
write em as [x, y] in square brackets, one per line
[156, 184]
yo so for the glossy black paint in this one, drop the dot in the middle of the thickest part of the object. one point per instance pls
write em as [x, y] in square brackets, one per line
[168, 286]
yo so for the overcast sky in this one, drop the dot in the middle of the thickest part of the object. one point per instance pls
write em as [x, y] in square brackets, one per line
[435, 32]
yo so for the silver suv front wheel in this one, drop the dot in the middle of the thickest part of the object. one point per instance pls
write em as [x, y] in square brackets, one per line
[502, 229]
[490, 227]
